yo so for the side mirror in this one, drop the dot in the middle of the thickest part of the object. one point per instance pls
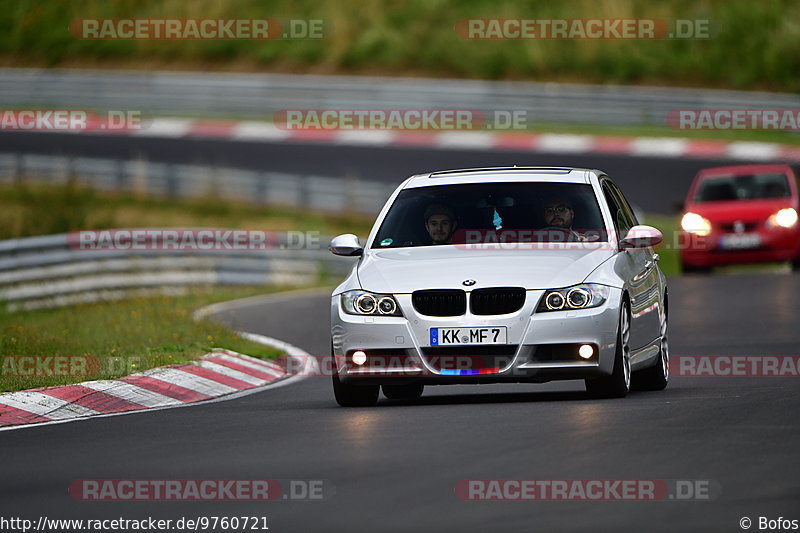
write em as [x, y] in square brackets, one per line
[678, 206]
[641, 237]
[346, 244]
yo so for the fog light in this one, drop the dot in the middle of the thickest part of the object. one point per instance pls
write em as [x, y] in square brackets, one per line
[586, 351]
[359, 357]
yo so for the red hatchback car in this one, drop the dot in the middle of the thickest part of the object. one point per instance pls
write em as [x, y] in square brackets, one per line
[741, 214]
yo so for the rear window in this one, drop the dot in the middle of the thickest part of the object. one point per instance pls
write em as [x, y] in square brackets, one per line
[507, 212]
[742, 187]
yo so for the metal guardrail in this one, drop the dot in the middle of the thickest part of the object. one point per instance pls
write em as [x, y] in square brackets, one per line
[195, 181]
[260, 95]
[46, 271]
[39, 272]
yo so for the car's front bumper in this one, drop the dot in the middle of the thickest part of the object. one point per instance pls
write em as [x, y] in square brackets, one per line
[540, 346]
[776, 245]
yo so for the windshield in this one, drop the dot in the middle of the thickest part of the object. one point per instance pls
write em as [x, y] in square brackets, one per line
[742, 187]
[492, 212]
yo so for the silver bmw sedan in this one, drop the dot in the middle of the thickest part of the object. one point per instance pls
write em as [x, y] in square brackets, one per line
[489, 275]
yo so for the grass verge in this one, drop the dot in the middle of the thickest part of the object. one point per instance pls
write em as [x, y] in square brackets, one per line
[112, 339]
[31, 209]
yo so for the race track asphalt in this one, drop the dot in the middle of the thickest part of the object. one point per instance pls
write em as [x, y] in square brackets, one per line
[654, 184]
[394, 467]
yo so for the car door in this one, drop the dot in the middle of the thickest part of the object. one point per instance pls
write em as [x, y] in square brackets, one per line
[637, 268]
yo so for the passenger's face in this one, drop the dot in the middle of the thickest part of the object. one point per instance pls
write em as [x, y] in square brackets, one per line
[439, 228]
[558, 215]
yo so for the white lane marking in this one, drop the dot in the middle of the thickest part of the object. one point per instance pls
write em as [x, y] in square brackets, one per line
[464, 139]
[164, 127]
[659, 146]
[290, 349]
[252, 130]
[245, 363]
[752, 150]
[189, 381]
[557, 142]
[131, 393]
[309, 365]
[45, 405]
[264, 362]
[231, 373]
[365, 137]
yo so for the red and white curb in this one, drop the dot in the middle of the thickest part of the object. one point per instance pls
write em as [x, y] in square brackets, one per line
[222, 374]
[487, 140]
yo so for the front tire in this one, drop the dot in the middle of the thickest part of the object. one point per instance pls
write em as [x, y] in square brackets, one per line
[403, 392]
[353, 395]
[656, 377]
[618, 384]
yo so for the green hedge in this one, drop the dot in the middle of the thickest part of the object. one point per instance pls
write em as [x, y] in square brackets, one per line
[757, 47]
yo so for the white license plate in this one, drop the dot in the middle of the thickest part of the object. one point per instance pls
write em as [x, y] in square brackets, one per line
[449, 336]
[740, 241]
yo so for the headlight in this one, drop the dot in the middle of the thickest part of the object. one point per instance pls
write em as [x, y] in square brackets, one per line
[697, 224]
[369, 303]
[785, 218]
[578, 297]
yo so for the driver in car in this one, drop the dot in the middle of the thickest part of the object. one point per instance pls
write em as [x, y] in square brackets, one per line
[558, 215]
[440, 222]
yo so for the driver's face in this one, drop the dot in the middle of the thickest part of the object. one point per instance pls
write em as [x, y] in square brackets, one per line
[439, 227]
[558, 215]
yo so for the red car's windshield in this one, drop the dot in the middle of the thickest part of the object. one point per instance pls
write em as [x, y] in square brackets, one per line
[742, 187]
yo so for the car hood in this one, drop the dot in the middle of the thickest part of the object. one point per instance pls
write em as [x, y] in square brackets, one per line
[447, 267]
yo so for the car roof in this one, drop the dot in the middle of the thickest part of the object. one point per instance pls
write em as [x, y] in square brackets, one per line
[503, 174]
[742, 169]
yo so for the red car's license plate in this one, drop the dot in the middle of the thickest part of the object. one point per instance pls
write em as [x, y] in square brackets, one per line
[740, 241]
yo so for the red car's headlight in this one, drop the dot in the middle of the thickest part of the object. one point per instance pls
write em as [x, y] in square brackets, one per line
[785, 218]
[697, 224]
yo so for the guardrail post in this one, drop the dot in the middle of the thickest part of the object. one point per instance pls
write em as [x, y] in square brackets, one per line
[19, 170]
[171, 181]
[140, 176]
[261, 193]
[305, 191]
[120, 166]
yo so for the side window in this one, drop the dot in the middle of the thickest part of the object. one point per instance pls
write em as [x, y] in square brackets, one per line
[626, 207]
[619, 210]
[613, 206]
